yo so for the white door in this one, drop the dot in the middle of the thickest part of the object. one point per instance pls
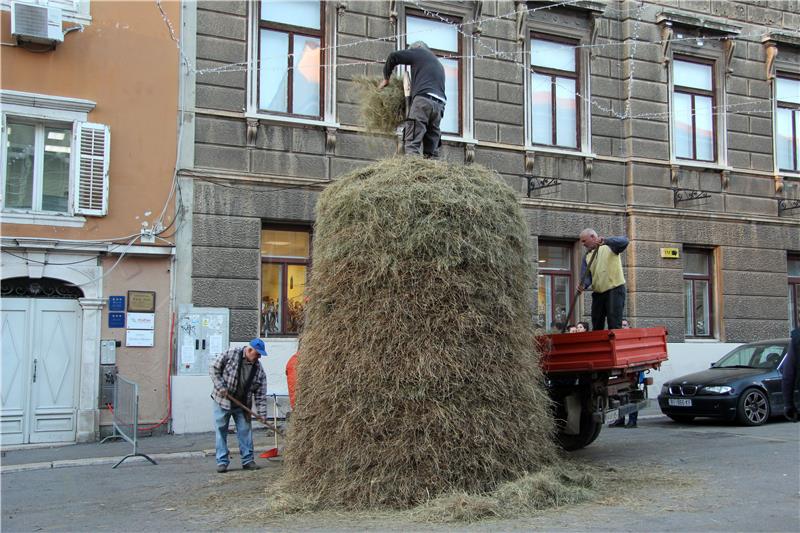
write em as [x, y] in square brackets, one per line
[40, 369]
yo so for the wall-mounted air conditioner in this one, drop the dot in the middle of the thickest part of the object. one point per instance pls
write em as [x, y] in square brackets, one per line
[35, 23]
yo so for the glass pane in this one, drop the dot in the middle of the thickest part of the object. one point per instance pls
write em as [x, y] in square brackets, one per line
[696, 263]
[452, 93]
[702, 311]
[305, 92]
[796, 140]
[738, 357]
[704, 122]
[554, 257]
[270, 298]
[285, 243]
[55, 179]
[784, 140]
[788, 90]
[19, 166]
[273, 81]
[687, 301]
[552, 55]
[695, 75]
[682, 125]
[561, 300]
[303, 13]
[542, 109]
[543, 302]
[768, 356]
[295, 293]
[566, 116]
[793, 265]
[437, 35]
[796, 305]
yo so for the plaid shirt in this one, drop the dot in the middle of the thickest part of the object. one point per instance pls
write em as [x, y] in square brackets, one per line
[224, 373]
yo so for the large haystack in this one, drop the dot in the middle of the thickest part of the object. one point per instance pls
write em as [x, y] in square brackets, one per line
[417, 375]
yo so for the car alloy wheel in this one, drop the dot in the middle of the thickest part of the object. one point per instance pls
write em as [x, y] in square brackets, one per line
[753, 407]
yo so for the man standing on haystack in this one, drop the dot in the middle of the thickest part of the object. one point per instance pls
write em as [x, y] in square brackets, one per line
[421, 134]
[238, 375]
[605, 277]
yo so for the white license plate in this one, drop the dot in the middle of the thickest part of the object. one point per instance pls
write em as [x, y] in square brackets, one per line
[679, 402]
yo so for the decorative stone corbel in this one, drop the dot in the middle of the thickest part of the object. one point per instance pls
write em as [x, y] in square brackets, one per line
[778, 184]
[587, 168]
[771, 54]
[252, 131]
[530, 159]
[730, 46]
[341, 6]
[469, 153]
[400, 144]
[674, 174]
[477, 10]
[666, 42]
[330, 140]
[522, 12]
[597, 19]
[393, 12]
[725, 179]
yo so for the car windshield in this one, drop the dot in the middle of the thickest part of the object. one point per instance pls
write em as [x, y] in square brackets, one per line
[766, 356]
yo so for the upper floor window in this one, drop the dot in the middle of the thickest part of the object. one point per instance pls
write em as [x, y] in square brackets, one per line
[787, 123]
[697, 281]
[554, 92]
[794, 291]
[285, 259]
[444, 40]
[555, 280]
[54, 167]
[693, 110]
[291, 57]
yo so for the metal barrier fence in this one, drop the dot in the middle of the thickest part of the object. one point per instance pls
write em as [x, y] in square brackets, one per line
[126, 416]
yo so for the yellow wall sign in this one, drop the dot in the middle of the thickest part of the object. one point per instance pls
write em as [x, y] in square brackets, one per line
[670, 253]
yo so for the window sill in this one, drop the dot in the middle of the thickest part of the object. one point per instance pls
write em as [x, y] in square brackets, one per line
[281, 119]
[701, 340]
[700, 165]
[559, 151]
[42, 219]
[458, 139]
[789, 175]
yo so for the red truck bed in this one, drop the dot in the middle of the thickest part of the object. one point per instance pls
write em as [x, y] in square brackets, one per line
[615, 349]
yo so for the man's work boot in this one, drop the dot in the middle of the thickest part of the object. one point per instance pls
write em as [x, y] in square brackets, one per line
[630, 425]
[222, 468]
[251, 466]
[620, 422]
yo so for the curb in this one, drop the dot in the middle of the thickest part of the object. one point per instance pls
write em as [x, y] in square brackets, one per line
[98, 461]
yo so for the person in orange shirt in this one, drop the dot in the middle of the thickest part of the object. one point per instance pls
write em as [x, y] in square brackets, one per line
[291, 376]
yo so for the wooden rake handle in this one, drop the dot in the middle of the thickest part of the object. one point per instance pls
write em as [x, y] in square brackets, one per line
[259, 417]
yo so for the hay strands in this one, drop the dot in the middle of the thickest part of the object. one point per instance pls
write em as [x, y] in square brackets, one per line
[273, 452]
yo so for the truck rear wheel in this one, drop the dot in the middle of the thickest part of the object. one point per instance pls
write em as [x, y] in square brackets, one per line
[590, 430]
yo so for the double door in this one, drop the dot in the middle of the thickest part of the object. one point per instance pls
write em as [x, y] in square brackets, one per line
[40, 369]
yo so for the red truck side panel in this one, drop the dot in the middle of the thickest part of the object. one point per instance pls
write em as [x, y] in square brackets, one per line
[615, 349]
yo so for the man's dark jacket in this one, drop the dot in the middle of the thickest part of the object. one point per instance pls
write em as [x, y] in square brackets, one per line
[427, 73]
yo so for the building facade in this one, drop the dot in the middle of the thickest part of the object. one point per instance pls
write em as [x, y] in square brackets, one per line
[674, 123]
[89, 116]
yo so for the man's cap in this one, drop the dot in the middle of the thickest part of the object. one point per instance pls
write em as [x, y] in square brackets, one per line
[258, 345]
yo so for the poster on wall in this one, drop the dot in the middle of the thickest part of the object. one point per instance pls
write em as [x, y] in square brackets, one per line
[139, 338]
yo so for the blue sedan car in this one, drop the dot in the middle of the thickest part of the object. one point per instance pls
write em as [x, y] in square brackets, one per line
[744, 385]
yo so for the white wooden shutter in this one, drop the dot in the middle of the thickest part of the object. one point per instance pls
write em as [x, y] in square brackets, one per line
[92, 148]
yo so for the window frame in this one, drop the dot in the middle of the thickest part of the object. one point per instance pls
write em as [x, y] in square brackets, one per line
[795, 124]
[447, 54]
[292, 31]
[794, 293]
[284, 262]
[553, 73]
[709, 278]
[693, 92]
[549, 275]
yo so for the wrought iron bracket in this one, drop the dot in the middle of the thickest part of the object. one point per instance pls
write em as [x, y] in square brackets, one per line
[787, 205]
[685, 195]
[536, 183]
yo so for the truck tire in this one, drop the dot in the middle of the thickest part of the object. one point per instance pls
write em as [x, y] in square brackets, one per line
[590, 430]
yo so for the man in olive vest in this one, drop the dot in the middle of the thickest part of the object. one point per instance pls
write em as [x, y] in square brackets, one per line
[605, 278]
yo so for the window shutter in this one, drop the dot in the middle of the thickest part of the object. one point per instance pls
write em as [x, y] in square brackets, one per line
[92, 148]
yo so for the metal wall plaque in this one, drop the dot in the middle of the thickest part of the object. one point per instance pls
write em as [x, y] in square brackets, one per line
[142, 301]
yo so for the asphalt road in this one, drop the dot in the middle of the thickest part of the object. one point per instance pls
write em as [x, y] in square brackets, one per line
[704, 476]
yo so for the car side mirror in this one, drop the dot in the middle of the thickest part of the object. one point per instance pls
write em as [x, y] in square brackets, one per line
[712, 365]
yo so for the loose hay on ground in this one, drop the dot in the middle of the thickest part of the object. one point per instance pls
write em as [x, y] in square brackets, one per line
[382, 111]
[418, 376]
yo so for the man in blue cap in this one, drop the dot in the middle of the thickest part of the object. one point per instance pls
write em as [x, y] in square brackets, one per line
[238, 374]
